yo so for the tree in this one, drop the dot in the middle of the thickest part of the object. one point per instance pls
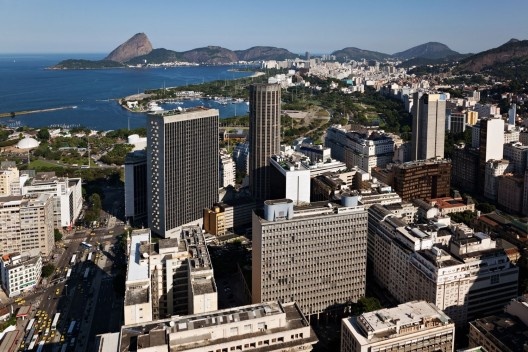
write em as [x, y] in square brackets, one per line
[43, 134]
[58, 235]
[47, 270]
[485, 207]
[95, 200]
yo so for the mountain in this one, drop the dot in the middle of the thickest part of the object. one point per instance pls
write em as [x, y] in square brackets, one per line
[138, 45]
[431, 50]
[157, 56]
[352, 53]
[264, 53]
[210, 55]
[511, 53]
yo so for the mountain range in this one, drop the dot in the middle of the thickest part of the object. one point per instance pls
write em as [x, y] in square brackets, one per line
[138, 50]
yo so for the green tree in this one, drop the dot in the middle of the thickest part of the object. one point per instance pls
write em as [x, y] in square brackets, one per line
[485, 207]
[95, 201]
[43, 134]
[58, 235]
[47, 270]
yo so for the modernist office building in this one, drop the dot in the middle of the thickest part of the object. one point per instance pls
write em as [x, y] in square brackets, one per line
[264, 135]
[412, 326]
[182, 160]
[428, 126]
[314, 255]
[136, 187]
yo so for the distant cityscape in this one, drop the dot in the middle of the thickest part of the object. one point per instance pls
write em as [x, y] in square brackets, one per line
[359, 206]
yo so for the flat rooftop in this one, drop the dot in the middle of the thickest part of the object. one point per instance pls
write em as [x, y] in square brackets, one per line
[136, 270]
[506, 329]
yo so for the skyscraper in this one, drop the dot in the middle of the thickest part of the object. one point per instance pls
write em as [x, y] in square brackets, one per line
[428, 126]
[264, 135]
[182, 164]
[491, 145]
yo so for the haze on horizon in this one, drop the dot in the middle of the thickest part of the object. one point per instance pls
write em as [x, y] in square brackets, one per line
[388, 26]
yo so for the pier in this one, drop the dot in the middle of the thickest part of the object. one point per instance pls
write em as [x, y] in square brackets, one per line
[26, 112]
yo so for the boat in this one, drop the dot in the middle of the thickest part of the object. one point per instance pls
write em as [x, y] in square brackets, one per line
[154, 107]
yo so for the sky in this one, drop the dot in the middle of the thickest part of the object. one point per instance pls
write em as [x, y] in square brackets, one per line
[388, 26]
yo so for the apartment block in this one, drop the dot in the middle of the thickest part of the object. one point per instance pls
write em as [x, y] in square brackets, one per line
[20, 272]
[364, 150]
[316, 153]
[172, 276]
[26, 223]
[227, 170]
[221, 217]
[491, 144]
[268, 326]
[8, 175]
[517, 154]
[66, 192]
[291, 260]
[464, 168]
[289, 179]
[463, 273]
[411, 326]
[494, 169]
[510, 190]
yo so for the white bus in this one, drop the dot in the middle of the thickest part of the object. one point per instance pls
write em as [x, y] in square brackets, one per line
[68, 273]
[86, 244]
[33, 342]
[73, 258]
[72, 326]
[89, 257]
[30, 325]
[40, 346]
[55, 322]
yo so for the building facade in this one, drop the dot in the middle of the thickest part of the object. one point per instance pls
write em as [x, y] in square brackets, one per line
[428, 126]
[290, 254]
[272, 327]
[422, 179]
[412, 326]
[182, 160]
[20, 272]
[26, 223]
[264, 135]
[136, 187]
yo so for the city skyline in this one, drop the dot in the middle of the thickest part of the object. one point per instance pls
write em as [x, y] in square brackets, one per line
[384, 26]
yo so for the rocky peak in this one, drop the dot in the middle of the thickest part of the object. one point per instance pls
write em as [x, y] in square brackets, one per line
[136, 46]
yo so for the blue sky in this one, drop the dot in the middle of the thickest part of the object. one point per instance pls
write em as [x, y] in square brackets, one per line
[97, 26]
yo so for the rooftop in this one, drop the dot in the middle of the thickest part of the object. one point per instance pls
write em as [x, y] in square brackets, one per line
[136, 270]
[504, 330]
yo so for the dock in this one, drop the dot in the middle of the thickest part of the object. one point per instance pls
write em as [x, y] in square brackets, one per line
[26, 112]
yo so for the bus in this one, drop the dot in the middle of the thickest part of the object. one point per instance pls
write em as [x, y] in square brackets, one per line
[55, 322]
[30, 325]
[40, 346]
[68, 273]
[72, 326]
[89, 257]
[30, 335]
[86, 273]
[32, 343]
[86, 244]
[73, 258]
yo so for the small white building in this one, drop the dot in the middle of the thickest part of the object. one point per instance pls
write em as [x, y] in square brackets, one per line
[20, 272]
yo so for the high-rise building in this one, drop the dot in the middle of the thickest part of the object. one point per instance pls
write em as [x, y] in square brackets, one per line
[290, 253]
[412, 326]
[428, 126]
[264, 135]
[182, 160]
[20, 272]
[136, 187]
[491, 141]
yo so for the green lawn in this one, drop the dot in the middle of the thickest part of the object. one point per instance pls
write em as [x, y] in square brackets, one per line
[35, 164]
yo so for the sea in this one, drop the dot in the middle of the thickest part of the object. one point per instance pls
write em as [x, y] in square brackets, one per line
[26, 83]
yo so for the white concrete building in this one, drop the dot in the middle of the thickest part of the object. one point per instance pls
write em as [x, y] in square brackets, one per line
[270, 327]
[20, 272]
[8, 176]
[227, 170]
[517, 154]
[26, 223]
[411, 326]
[289, 179]
[494, 169]
[66, 192]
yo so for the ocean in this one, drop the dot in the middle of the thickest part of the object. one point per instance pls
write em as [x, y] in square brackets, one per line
[26, 84]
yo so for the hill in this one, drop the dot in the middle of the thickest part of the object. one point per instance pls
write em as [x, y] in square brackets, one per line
[264, 53]
[351, 53]
[136, 46]
[511, 56]
[79, 64]
[431, 50]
